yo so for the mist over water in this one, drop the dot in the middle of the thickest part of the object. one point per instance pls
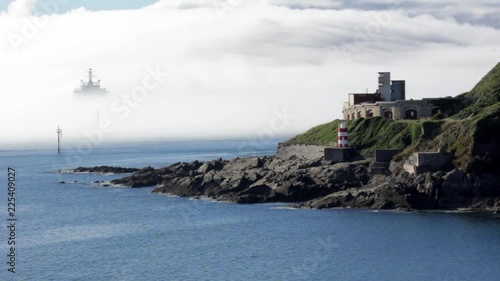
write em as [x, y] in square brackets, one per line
[130, 113]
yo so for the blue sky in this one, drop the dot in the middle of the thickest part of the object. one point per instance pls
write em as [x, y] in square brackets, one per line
[93, 5]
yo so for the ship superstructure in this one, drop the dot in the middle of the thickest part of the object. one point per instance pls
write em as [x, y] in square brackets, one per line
[90, 87]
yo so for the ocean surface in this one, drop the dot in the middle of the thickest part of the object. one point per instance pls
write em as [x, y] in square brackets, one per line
[81, 231]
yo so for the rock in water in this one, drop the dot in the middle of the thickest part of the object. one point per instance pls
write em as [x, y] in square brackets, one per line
[104, 170]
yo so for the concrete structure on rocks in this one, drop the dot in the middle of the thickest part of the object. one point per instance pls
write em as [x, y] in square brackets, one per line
[421, 162]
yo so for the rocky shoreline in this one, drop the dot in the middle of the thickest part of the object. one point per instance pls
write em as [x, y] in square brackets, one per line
[101, 170]
[319, 184]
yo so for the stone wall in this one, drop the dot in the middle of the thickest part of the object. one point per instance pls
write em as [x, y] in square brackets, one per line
[434, 160]
[420, 162]
[385, 155]
[397, 110]
[338, 154]
[299, 150]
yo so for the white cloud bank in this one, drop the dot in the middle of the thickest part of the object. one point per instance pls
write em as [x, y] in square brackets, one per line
[232, 65]
[21, 8]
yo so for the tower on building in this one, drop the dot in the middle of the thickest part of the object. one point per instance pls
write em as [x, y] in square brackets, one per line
[398, 91]
[384, 85]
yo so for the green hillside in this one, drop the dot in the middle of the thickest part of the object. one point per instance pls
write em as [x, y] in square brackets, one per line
[472, 134]
[486, 93]
[319, 135]
[369, 134]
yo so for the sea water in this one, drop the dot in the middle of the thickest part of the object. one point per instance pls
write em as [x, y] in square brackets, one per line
[79, 230]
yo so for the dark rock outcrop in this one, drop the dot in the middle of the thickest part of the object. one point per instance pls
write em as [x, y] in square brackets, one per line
[454, 189]
[316, 184]
[103, 170]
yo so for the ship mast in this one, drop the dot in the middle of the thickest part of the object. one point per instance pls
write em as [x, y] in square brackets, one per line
[90, 74]
[59, 138]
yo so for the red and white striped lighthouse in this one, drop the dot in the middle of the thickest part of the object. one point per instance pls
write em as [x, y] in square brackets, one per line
[343, 135]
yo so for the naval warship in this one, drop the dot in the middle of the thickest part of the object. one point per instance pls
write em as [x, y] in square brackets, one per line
[90, 87]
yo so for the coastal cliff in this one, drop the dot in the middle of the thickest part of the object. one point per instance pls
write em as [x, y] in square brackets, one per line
[470, 133]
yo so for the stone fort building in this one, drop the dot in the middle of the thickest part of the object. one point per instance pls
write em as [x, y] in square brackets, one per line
[389, 101]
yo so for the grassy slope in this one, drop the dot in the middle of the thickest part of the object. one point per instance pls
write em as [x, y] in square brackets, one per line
[368, 134]
[473, 134]
[487, 93]
[319, 135]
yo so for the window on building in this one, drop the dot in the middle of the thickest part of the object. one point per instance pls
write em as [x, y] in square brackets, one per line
[411, 114]
[436, 110]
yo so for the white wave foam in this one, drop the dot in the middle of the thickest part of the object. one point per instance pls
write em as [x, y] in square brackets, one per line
[76, 233]
[284, 208]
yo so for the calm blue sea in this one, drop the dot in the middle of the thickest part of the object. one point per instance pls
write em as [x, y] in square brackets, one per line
[81, 231]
